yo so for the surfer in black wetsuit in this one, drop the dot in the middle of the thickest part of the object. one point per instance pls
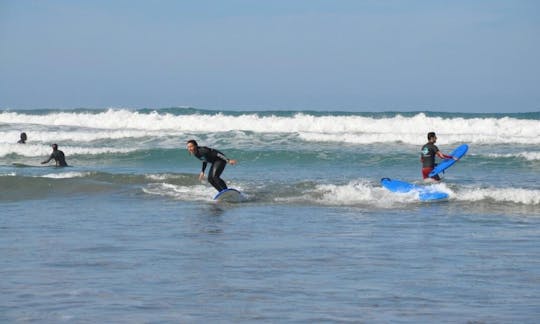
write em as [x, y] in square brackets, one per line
[427, 157]
[23, 138]
[216, 158]
[58, 157]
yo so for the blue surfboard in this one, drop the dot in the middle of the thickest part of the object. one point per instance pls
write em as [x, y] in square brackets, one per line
[424, 193]
[230, 195]
[446, 163]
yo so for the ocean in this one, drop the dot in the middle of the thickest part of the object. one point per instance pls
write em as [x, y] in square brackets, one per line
[128, 233]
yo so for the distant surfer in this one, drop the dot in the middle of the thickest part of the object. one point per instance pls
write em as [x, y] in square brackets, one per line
[23, 138]
[429, 150]
[216, 158]
[58, 157]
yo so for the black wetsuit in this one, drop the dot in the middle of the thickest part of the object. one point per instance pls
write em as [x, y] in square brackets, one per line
[58, 157]
[218, 161]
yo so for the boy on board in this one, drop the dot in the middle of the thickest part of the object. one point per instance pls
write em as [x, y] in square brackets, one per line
[217, 160]
[58, 157]
[427, 157]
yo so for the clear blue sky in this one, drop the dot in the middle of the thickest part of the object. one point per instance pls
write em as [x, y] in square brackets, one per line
[456, 56]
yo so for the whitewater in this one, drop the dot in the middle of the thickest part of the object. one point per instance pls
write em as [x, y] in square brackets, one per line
[349, 128]
[157, 137]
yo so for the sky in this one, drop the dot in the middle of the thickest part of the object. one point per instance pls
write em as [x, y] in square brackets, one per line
[357, 55]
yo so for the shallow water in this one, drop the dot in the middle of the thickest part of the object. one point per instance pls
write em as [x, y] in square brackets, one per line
[147, 259]
[134, 237]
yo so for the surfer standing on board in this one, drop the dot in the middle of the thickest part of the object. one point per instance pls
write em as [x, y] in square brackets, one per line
[216, 158]
[58, 157]
[427, 157]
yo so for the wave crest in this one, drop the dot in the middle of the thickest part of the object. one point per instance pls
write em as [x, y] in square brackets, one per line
[347, 128]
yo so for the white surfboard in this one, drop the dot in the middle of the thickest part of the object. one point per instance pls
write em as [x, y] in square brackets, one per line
[230, 195]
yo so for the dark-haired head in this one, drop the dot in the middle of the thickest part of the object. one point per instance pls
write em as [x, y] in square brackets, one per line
[192, 146]
[431, 135]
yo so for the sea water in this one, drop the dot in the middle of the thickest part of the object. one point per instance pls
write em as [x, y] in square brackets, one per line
[128, 233]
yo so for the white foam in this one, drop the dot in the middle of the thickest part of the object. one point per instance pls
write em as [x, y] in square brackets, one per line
[514, 195]
[185, 193]
[79, 135]
[120, 123]
[34, 150]
[65, 175]
[529, 156]
[159, 177]
[352, 193]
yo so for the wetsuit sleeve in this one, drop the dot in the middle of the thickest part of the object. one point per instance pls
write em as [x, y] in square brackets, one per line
[49, 159]
[203, 166]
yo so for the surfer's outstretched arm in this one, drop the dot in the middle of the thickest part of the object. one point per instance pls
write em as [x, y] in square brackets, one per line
[48, 160]
[444, 156]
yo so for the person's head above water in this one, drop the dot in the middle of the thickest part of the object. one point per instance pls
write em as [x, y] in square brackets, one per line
[23, 138]
[192, 146]
[431, 135]
[54, 147]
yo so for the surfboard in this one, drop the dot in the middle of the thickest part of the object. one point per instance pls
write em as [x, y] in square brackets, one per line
[230, 195]
[425, 193]
[446, 163]
[24, 165]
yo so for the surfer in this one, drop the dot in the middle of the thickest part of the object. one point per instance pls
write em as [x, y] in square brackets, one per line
[216, 158]
[429, 150]
[58, 157]
[23, 138]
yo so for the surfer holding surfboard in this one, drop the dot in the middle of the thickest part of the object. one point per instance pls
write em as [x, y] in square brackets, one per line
[217, 160]
[427, 157]
[430, 171]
